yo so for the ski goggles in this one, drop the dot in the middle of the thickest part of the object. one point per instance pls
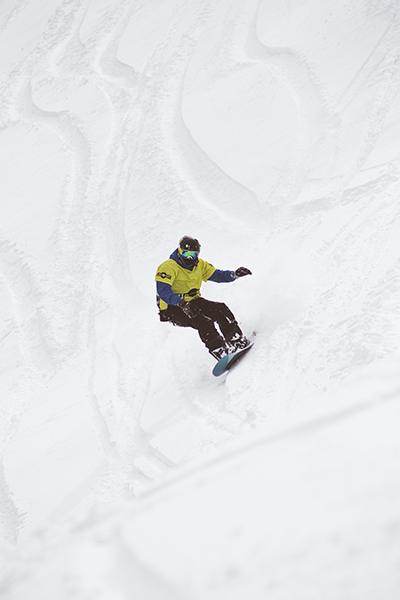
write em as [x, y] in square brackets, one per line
[189, 254]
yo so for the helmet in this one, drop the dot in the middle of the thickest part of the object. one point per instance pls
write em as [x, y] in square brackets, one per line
[188, 250]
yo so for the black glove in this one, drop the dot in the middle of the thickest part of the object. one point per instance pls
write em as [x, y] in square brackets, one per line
[242, 271]
[191, 310]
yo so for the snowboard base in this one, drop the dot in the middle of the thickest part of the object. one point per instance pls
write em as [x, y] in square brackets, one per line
[228, 361]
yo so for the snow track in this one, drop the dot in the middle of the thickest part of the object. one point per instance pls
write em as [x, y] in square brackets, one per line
[270, 131]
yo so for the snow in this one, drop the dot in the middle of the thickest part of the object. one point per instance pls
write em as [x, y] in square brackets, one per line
[270, 131]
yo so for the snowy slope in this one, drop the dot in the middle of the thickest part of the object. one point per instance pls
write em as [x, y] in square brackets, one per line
[271, 131]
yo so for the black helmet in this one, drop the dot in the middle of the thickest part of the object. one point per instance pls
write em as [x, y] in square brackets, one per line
[188, 250]
[189, 243]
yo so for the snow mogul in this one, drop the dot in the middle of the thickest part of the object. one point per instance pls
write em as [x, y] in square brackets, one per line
[178, 281]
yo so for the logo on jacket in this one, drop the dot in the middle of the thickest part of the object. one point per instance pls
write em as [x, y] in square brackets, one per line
[164, 275]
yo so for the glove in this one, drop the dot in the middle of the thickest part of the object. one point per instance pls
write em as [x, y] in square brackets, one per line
[191, 310]
[241, 272]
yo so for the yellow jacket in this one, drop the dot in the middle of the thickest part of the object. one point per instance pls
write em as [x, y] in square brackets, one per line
[175, 282]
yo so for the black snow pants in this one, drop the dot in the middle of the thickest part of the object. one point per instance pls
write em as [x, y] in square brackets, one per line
[210, 313]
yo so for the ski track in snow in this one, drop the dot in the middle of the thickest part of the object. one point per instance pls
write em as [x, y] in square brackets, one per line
[142, 136]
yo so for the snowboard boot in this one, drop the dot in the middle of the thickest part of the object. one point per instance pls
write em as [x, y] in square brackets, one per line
[239, 342]
[219, 353]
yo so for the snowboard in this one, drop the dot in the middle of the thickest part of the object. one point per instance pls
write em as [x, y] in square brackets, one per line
[228, 361]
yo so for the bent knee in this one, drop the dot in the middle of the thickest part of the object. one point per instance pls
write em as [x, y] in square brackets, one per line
[223, 308]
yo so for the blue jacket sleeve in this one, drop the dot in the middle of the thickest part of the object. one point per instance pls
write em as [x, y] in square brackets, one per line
[165, 292]
[222, 276]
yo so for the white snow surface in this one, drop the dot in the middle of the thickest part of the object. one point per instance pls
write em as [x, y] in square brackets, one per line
[269, 130]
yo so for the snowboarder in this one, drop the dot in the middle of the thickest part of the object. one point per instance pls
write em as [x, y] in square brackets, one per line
[179, 300]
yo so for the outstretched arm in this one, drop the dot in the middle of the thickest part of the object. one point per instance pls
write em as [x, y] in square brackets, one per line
[226, 276]
[222, 276]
